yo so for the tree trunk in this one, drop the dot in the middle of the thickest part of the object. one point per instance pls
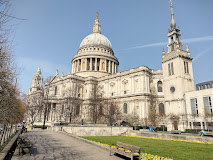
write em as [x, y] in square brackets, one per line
[45, 115]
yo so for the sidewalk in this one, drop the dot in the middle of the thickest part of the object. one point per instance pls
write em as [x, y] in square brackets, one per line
[48, 145]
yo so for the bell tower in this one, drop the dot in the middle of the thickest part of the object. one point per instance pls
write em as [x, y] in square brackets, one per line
[37, 81]
[177, 70]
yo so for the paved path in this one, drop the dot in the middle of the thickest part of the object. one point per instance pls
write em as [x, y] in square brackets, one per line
[49, 145]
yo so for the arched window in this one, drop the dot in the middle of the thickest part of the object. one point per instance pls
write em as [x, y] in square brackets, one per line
[160, 86]
[77, 111]
[161, 108]
[125, 108]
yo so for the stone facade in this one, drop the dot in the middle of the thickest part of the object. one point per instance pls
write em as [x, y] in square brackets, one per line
[138, 92]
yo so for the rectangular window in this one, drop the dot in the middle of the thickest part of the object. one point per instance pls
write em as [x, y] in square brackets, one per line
[184, 67]
[169, 69]
[194, 106]
[207, 104]
[187, 67]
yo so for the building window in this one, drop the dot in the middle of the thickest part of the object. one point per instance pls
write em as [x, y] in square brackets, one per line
[194, 106]
[77, 111]
[125, 108]
[159, 86]
[125, 92]
[161, 109]
[112, 94]
[207, 104]
[62, 109]
[186, 67]
[170, 69]
[55, 90]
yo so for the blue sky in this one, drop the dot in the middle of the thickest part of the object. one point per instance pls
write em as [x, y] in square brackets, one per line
[53, 30]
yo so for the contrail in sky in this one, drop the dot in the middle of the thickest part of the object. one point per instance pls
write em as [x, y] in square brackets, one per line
[188, 40]
[202, 53]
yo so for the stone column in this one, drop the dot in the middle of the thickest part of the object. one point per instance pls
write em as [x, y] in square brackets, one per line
[81, 64]
[109, 67]
[96, 65]
[201, 125]
[72, 67]
[144, 78]
[105, 65]
[174, 37]
[51, 111]
[113, 67]
[140, 110]
[148, 84]
[90, 68]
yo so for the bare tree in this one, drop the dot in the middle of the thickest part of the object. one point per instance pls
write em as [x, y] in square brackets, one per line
[152, 115]
[46, 106]
[111, 111]
[208, 116]
[35, 107]
[73, 102]
[103, 110]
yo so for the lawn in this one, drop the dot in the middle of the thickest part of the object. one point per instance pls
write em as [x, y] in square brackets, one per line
[164, 148]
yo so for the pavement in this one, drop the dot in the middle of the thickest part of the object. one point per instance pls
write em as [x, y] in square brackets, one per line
[49, 145]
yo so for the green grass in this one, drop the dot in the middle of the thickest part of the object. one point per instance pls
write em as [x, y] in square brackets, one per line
[163, 148]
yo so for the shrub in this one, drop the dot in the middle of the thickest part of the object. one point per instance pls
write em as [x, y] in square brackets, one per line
[40, 126]
[194, 131]
[161, 128]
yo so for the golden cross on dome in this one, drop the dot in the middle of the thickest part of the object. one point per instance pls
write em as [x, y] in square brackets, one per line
[97, 15]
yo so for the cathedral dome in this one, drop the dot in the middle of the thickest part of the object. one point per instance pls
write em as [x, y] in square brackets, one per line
[96, 39]
[95, 55]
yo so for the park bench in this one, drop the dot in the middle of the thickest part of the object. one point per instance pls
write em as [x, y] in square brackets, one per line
[175, 132]
[22, 143]
[126, 150]
[206, 133]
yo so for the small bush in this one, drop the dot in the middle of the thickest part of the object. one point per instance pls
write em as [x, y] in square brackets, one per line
[145, 127]
[194, 131]
[137, 127]
[40, 126]
[161, 128]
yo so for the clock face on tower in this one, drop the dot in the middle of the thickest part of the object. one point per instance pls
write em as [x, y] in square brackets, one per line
[39, 78]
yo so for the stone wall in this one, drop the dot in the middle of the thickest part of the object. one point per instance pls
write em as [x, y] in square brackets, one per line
[167, 135]
[92, 130]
